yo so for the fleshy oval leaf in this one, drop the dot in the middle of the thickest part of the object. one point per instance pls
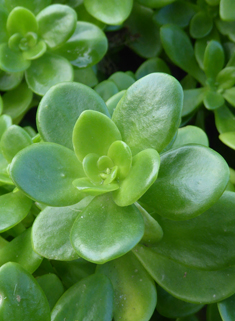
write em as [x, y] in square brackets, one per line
[191, 179]
[45, 172]
[149, 113]
[94, 132]
[67, 101]
[22, 21]
[21, 296]
[104, 231]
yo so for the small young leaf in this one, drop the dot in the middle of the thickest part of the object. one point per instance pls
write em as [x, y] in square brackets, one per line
[201, 24]
[228, 139]
[21, 296]
[227, 9]
[94, 132]
[85, 186]
[143, 173]
[22, 21]
[224, 120]
[213, 100]
[190, 135]
[226, 78]
[229, 95]
[106, 89]
[105, 231]
[35, 52]
[152, 65]
[122, 80]
[213, 59]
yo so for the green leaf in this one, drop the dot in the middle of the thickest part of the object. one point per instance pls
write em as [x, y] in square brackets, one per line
[56, 24]
[86, 76]
[190, 180]
[83, 15]
[212, 313]
[5, 122]
[152, 65]
[106, 89]
[94, 132]
[33, 5]
[91, 169]
[52, 287]
[51, 231]
[190, 135]
[152, 230]
[12, 61]
[9, 81]
[226, 308]
[143, 173]
[85, 186]
[224, 120]
[14, 207]
[149, 113]
[35, 52]
[179, 49]
[178, 13]
[17, 101]
[21, 296]
[89, 299]
[144, 36]
[185, 283]
[213, 100]
[121, 80]
[171, 307]
[213, 59]
[214, 229]
[104, 231]
[229, 95]
[155, 3]
[47, 71]
[3, 22]
[45, 172]
[111, 12]
[201, 24]
[227, 9]
[22, 21]
[20, 250]
[134, 290]
[226, 78]
[13, 140]
[112, 102]
[193, 98]
[86, 47]
[228, 139]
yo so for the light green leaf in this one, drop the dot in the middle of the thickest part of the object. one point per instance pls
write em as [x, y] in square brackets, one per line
[226, 78]
[35, 52]
[134, 290]
[122, 80]
[112, 102]
[112, 12]
[229, 95]
[45, 172]
[85, 186]
[226, 308]
[13, 140]
[5, 122]
[52, 287]
[155, 3]
[85, 76]
[86, 47]
[190, 180]
[67, 101]
[14, 207]
[224, 120]
[149, 113]
[17, 101]
[22, 21]
[152, 65]
[213, 100]
[9, 81]
[12, 61]
[143, 173]
[213, 59]
[89, 299]
[190, 135]
[104, 231]
[94, 132]
[193, 98]
[185, 283]
[228, 139]
[56, 24]
[179, 49]
[20, 250]
[47, 71]
[106, 89]
[21, 296]
[3, 21]
[33, 5]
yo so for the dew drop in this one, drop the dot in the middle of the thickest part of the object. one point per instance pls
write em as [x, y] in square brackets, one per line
[62, 175]
[81, 216]
[214, 296]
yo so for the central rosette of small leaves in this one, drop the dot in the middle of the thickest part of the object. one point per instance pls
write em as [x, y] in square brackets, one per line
[108, 162]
